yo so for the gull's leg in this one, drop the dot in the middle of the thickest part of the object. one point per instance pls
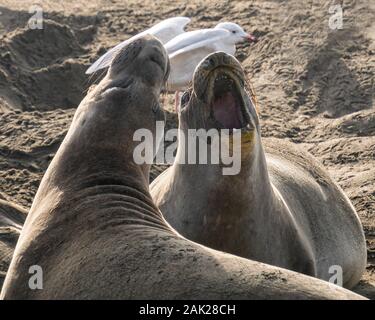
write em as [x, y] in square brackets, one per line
[176, 101]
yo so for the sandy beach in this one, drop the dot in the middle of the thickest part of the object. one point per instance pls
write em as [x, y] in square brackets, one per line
[314, 85]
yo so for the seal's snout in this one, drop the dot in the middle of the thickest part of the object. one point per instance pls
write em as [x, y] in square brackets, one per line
[210, 65]
[217, 59]
[219, 83]
[144, 58]
[155, 53]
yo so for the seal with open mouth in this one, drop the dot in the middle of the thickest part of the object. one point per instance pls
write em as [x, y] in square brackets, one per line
[93, 230]
[282, 208]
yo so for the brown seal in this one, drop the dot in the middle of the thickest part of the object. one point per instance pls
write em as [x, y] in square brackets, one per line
[94, 231]
[282, 207]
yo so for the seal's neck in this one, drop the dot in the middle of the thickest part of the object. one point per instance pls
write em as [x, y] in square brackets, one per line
[222, 208]
[94, 168]
[236, 195]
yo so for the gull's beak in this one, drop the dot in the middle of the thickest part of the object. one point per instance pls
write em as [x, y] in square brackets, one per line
[249, 37]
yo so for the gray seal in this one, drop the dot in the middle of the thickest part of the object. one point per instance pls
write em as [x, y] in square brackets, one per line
[94, 232]
[282, 208]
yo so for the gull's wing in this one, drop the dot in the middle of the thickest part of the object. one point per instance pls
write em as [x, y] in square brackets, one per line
[164, 30]
[189, 41]
[105, 60]
[169, 28]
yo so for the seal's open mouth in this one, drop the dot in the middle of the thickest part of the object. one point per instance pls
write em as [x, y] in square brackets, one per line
[227, 104]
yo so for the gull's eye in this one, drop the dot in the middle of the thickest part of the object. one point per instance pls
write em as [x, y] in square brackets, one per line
[185, 98]
[234, 31]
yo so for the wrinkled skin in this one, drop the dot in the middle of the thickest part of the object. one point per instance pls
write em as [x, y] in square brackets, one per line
[282, 208]
[94, 229]
[12, 218]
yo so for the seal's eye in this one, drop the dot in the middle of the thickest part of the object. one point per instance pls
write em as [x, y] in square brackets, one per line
[185, 98]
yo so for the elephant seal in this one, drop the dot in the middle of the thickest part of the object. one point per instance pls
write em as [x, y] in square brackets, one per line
[282, 208]
[93, 230]
[12, 218]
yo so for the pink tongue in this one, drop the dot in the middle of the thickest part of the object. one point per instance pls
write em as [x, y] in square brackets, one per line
[226, 111]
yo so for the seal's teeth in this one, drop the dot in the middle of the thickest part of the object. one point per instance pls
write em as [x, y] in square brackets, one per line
[224, 81]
